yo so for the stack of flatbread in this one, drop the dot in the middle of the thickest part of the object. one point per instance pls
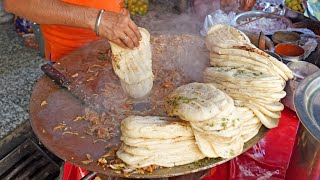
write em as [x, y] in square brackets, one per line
[220, 128]
[134, 67]
[250, 76]
[153, 140]
[240, 94]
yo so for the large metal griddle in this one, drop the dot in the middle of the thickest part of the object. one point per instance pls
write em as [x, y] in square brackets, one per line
[63, 107]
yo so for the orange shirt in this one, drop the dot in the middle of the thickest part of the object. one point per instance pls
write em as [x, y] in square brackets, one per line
[61, 40]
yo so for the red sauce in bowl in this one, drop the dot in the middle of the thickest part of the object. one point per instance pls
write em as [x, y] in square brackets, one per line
[286, 49]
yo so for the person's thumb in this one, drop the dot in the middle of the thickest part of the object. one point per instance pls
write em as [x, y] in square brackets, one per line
[125, 12]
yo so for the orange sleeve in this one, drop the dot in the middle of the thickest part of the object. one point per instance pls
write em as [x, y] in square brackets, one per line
[61, 40]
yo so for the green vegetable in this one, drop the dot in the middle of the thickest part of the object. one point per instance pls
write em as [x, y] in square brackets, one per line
[174, 102]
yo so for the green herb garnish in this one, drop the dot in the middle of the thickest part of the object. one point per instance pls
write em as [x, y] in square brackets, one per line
[174, 102]
[233, 123]
[211, 125]
[224, 124]
[231, 152]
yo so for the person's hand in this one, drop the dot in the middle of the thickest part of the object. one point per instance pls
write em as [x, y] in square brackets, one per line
[120, 29]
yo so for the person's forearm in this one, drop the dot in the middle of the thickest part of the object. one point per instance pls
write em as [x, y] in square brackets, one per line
[53, 12]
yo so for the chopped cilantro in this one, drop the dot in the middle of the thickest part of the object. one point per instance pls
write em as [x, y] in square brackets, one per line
[232, 152]
[180, 99]
[224, 124]
[211, 125]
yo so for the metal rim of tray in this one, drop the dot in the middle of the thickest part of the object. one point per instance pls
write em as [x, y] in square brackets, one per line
[305, 104]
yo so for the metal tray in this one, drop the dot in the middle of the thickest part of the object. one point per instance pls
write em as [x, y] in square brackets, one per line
[170, 54]
[307, 104]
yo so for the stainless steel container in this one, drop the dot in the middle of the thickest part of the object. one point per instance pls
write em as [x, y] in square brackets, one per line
[301, 70]
[305, 159]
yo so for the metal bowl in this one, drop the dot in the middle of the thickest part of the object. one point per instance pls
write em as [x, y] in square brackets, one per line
[289, 47]
[244, 16]
[285, 37]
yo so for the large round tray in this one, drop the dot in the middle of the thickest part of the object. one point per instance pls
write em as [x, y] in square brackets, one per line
[185, 56]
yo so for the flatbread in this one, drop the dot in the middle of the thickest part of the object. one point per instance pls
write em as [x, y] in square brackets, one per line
[254, 120]
[154, 127]
[196, 102]
[232, 33]
[231, 85]
[272, 114]
[231, 63]
[138, 90]
[272, 96]
[265, 120]
[251, 53]
[218, 124]
[276, 106]
[234, 74]
[159, 149]
[134, 67]
[187, 155]
[224, 133]
[225, 36]
[249, 135]
[204, 145]
[150, 142]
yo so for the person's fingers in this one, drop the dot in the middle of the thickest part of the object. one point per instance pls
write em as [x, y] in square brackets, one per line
[135, 29]
[132, 35]
[127, 40]
[119, 42]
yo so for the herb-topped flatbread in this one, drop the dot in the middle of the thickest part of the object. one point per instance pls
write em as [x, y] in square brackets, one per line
[197, 102]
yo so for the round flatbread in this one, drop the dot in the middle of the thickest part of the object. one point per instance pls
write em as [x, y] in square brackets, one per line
[232, 120]
[197, 102]
[154, 127]
[250, 53]
[133, 66]
[151, 142]
[187, 155]
[176, 147]
[228, 150]
[247, 136]
[138, 90]
[272, 114]
[226, 37]
[204, 145]
[266, 121]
